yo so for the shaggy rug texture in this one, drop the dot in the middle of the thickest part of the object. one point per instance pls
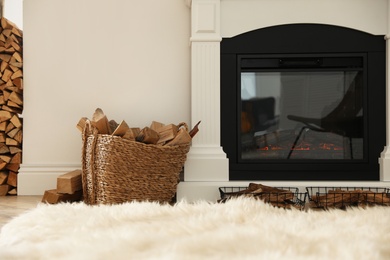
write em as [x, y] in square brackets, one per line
[241, 228]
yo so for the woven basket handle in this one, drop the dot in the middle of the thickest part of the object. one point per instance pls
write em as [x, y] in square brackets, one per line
[182, 124]
[89, 130]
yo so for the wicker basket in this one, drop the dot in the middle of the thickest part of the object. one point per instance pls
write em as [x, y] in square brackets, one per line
[117, 170]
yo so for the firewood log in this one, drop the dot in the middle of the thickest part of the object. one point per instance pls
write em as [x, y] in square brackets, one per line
[132, 133]
[100, 121]
[69, 182]
[121, 129]
[147, 136]
[4, 189]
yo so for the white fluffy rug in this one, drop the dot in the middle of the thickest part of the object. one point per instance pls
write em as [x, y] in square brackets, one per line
[239, 229]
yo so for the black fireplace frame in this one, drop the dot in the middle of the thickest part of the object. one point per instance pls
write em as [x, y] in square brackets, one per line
[305, 39]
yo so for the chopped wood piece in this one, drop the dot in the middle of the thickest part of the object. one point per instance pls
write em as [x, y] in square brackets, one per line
[147, 136]
[4, 148]
[3, 177]
[156, 125]
[4, 189]
[113, 125]
[16, 31]
[6, 24]
[11, 142]
[17, 56]
[6, 158]
[7, 32]
[6, 75]
[15, 97]
[2, 165]
[13, 132]
[12, 104]
[167, 133]
[18, 137]
[53, 197]
[100, 121]
[12, 179]
[2, 137]
[15, 45]
[3, 126]
[132, 133]
[16, 159]
[69, 182]
[17, 74]
[194, 130]
[5, 115]
[182, 137]
[9, 127]
[18, 82]
[15, 120]
[3, 66]
[13, 149]
[13, 166]
[13, 191]
[5, 57]
[6, 95]
[121, 129]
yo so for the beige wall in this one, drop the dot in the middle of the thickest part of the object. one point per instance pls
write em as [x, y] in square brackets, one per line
[131, 58]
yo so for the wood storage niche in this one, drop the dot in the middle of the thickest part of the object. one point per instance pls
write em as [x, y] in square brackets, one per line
[11, 105]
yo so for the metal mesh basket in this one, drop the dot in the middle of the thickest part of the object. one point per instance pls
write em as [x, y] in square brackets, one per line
[285, 197]
[343, 197]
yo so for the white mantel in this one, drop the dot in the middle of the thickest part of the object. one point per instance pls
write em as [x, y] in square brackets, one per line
[206, 168]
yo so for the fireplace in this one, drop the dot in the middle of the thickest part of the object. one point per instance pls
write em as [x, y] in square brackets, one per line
[303, 102]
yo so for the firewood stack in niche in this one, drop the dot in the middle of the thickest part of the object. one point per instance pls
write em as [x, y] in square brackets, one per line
[11, 105]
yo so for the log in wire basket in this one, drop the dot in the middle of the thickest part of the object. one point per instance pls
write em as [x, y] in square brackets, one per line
[291, 198]
[344, 197]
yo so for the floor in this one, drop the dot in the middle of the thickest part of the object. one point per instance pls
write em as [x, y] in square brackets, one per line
[11, 206]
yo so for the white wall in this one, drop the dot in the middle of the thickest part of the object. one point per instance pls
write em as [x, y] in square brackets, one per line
[131, 58]
[13, 11]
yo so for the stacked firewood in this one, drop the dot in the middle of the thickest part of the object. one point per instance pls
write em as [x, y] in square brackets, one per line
[342, 199]
[11, 105]
[278, 197]
[69, 189]
[157, 133]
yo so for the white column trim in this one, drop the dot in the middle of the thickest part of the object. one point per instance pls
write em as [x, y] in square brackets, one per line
[206, 160]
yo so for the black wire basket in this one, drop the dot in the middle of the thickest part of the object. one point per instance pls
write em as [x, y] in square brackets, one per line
[344, 197]
[284, 197]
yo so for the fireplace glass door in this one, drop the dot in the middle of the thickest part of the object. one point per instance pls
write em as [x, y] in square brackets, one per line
[301, 108]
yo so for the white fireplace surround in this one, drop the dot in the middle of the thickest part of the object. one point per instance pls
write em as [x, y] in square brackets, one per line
[86, 31]
[207, 166]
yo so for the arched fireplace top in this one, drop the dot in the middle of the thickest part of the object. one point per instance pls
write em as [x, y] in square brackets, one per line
[303, 38]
